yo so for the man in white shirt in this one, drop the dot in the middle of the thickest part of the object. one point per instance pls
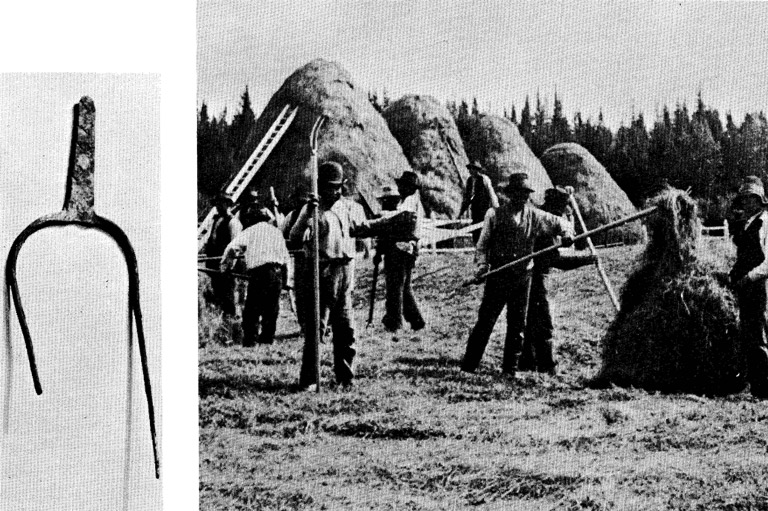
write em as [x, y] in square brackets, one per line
[266, 259]
[749, 276]
[400, 258]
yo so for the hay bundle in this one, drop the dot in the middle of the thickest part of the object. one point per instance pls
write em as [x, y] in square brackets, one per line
[355, 135]
[430, 140]
[678, 326]
[599, 197]
[498, 145]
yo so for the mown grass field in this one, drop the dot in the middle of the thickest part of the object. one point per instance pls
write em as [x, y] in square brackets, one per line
[416, 433]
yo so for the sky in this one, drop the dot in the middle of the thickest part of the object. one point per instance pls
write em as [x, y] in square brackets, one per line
[623, 58]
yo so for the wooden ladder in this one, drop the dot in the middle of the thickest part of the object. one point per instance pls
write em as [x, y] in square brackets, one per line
[250, 168]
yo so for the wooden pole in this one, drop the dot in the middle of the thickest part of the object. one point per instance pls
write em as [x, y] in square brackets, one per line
[593, 251]
[310, 362]
[597, 230]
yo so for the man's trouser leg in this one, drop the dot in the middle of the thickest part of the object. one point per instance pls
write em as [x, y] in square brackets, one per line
[491, 305]
[754, 331]
[411, 311]
[338, 303]
[517, 312]
[537, 343]
[251, 308]
[270, 285]
[394, 273]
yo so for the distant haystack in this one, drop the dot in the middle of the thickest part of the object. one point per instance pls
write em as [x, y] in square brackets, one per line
[599, 197]
[354, 135]
[678, 326]
[430, 140]
[498, 145]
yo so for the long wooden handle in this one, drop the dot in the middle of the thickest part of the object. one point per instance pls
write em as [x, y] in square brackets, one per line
[593, 251]
[557, 245]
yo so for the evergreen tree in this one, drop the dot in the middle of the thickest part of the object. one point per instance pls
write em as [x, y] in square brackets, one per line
[242, 124]
[525, 125]
[373, 98]
[560, 131]
[513, 115]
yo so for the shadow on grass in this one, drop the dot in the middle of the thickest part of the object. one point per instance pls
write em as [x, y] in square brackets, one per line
[425, 367]
[230, 386]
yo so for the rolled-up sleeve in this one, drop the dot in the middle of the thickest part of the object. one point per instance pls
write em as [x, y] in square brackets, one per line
[760, 272]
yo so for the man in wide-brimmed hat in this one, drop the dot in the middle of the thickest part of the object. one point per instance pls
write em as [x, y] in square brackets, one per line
[479, 196]
[749, 276]
[337, 225]
[537, 354]
[508, 234]
[225, 227]
[400, 254]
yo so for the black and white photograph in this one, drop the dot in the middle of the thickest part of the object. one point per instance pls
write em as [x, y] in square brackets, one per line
[81, 385]
[489, 255]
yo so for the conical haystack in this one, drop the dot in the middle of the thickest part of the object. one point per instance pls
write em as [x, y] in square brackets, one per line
[678, 326]
[355, 135]
[430, 140]
[498, 145]
[600, 199]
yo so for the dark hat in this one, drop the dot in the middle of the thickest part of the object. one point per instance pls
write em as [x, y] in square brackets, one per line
[475, 164]
[518, 182]
[330, 173]
[752, 185]
[388, 192]
[558, 194]
[409, 178]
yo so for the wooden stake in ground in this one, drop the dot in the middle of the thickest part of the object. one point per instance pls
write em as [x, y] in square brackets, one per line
[310, 361]
[598, 263]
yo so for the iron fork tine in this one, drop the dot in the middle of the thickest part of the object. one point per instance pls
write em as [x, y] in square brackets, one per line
[78, 210]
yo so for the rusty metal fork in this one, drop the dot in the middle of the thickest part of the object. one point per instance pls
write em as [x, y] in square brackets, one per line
[78, 210]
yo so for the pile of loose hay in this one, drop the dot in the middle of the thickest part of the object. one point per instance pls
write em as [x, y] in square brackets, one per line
[678, 327]
[498, 145]
[599, 197]
[355, 135]
[430, 140]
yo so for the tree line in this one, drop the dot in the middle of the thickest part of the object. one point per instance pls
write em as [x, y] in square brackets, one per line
[682, 148]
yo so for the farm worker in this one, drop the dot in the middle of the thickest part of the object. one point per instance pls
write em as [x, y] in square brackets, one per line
[479, 196]
[749, 276]
[337, 227]
[509, 232]
[266, 259]
[400, 258]
[225, 227]
[537, 343]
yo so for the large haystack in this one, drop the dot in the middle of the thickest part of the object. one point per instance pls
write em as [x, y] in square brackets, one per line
[354, 135]
[498, 145]
[599, 197]
[430, 140]
[678, 326]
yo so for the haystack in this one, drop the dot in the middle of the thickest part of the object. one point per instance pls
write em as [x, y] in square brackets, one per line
[498, 145]
[599, 197]
[430, 141]
[678, 326]
[355, 135]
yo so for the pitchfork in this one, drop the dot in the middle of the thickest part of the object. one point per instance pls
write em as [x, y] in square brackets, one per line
[78, 211]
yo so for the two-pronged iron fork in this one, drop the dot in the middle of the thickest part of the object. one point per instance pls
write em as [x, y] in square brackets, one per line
[78, 211]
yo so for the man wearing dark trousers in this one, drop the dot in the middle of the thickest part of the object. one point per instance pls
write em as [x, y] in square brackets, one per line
[509, 232]
[749, 276]
[224, 229]
[266, 258]
[400, 258]
[537, 352]
[479, 196]
[337, 224]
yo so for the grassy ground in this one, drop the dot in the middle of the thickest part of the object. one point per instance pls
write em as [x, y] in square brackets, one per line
[416, 433]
